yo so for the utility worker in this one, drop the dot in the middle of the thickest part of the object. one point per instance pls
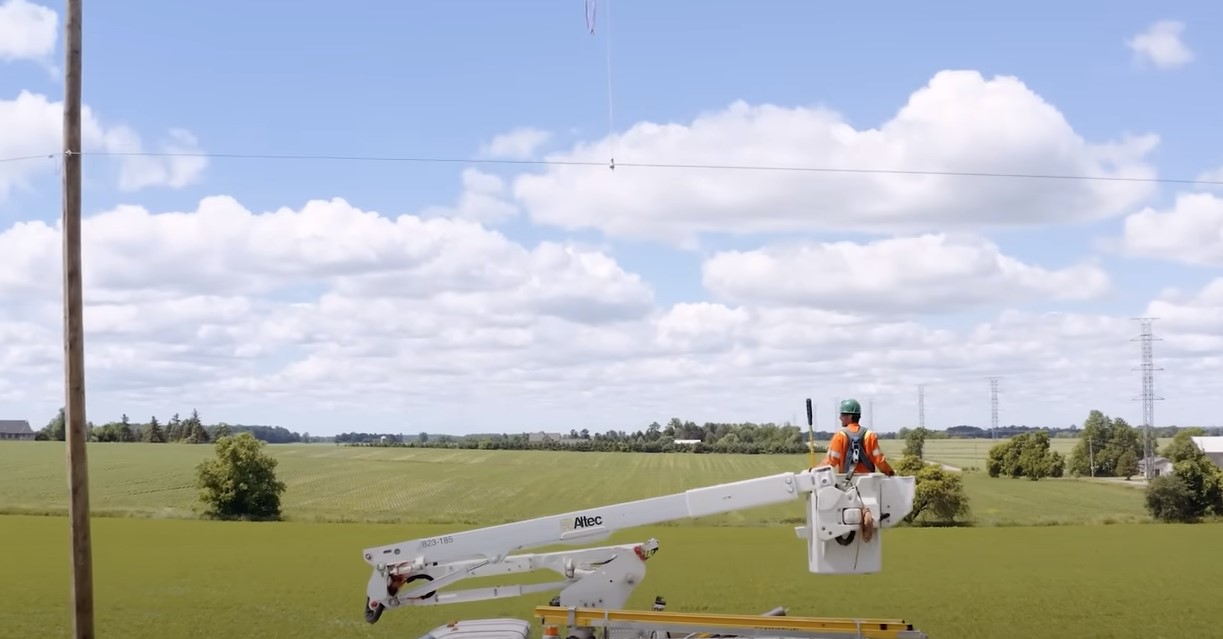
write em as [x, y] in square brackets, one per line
[855, 441]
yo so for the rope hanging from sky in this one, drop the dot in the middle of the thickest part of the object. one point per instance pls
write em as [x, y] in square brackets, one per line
[592, 12]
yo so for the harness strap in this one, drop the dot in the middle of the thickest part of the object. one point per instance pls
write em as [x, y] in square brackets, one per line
[856, 451]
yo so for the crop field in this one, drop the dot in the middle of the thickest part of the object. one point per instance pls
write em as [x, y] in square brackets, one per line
[182, 578]
[470, 487]
[972, 453]
[160, 573]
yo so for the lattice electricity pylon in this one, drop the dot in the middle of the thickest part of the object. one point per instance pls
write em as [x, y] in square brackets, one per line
[993, 406]
[1148, 397]
[921, 405]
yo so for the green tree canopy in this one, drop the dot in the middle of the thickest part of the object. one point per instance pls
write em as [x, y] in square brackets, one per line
[915, 442]
[1102, 445]
[938, 497]
[1192, 491]
[240, 482]
[1027, 455]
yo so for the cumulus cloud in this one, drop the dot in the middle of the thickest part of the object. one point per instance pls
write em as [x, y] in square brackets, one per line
[1161, 45]
[181, 166]
[434, 319]
[484, 198]
[1190, 231]
[1212, 178]
[1194, 321]
[959, 122]
[518, 144]
[328, 306]
[222, 248]
[28, 31]
[930, 273]
[31, 126]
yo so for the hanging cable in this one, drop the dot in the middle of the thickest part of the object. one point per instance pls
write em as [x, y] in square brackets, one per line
[592, 11]
[639, 165]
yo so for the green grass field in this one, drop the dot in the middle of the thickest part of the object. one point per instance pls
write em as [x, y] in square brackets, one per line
[334, 483]
[159, 573]
[169, 578]
[968, 453]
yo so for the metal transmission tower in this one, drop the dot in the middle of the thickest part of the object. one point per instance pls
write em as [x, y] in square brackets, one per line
[993, 407]
[870, 419]
[1147, 337]
[921, 405]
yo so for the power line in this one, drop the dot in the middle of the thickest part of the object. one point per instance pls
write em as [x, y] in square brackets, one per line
[639, 165]
[23, 158]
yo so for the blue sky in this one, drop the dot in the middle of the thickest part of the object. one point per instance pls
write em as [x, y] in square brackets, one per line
[440, 79]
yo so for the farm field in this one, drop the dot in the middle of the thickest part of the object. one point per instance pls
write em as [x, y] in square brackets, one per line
[182, 578]
[332, 483]
[972, 453]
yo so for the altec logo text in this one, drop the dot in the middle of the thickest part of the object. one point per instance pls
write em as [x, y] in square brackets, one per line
[583, 521]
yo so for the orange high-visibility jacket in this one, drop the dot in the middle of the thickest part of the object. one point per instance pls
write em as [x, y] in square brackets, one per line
[838, 452]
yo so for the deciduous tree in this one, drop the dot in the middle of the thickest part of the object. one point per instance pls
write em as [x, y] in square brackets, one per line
[1027, 455]
[1192, 491]
[915, 442]
[938, 496]
[240, 482]
[1102, 444]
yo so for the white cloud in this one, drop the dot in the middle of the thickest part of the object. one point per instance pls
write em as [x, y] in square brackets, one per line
[329, 306]
[519, 144]
[483, 199]
[223, 249]
[1190, 232]
[182, 166]
[930, 273]
[436, 321]
[1161, 45]
[31, 125]
[1213, 179]
[1196, 319]
[27, 31]
[960, 121]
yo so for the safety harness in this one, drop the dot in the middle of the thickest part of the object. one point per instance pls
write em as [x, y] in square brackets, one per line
[856, 451]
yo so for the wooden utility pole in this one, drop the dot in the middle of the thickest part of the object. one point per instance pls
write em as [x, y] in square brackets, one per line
[74, 330]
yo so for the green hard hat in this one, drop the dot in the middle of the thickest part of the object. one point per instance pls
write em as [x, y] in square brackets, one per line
[850, 406]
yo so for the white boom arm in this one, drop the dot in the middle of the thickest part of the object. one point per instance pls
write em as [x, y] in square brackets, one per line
[834, 544]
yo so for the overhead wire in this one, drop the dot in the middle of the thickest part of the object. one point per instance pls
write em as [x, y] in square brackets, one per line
[638, 165]
[591, 16]
[22, 158]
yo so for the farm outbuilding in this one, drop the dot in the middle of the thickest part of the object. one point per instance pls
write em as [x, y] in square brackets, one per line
[16, 429]
[1161, 466]
[1213, 447]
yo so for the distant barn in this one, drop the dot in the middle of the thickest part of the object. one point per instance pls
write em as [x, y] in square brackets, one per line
[1212, 446]
[18, 429]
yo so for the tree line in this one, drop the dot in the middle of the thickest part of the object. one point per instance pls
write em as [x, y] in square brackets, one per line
[710, 437]
[744, 438]
[191, 430]
[1111, 447]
